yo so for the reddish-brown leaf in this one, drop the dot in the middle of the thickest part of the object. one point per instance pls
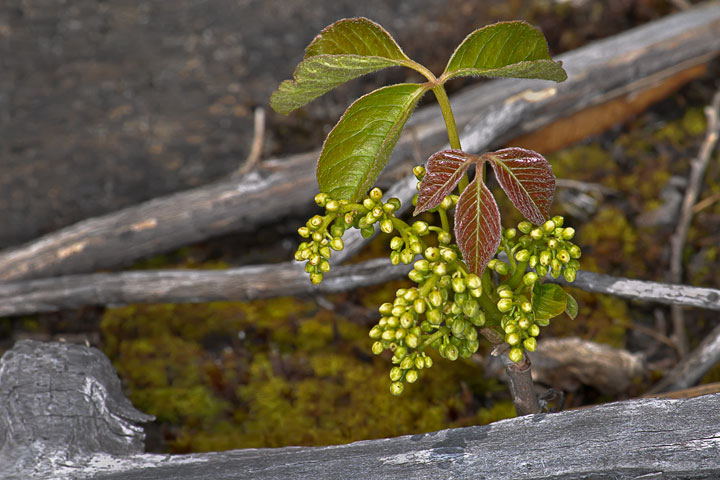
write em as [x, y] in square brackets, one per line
[443, 172]
[527, 179]
[477, 225]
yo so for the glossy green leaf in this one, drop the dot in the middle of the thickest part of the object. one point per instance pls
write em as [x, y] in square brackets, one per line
[505, 49]
[527, 179]
[345, 50]
[572, 306]
[443, 172]
[477, 225]
[549, 300]
[357, 149]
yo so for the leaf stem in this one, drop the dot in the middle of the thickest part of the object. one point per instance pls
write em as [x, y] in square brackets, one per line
[444, 219]
[444, 102]
[429, 340]
[517, 275]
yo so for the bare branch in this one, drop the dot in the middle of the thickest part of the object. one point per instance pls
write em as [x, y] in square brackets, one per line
[677, 243]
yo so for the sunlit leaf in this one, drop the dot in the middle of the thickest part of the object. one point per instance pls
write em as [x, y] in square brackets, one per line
[505, 49]
[355, 36]
[443, 172]
[357, 149]
[549, 300]
[572, 306]
[477, 225]
[527, 179]
[345, 50]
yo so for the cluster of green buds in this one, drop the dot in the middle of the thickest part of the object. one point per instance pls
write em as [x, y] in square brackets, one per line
[547, 249]
[324, 232]
[442, 312]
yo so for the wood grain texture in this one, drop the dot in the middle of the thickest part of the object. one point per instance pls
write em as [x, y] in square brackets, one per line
[488, 115]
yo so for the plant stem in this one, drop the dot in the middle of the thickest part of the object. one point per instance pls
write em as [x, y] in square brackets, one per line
[429, 340]
[517, 274]
[444, 102]
[521, 385]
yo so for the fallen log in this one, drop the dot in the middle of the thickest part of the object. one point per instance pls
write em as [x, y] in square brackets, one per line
[648, 438]
[266, 281]
[614, 69]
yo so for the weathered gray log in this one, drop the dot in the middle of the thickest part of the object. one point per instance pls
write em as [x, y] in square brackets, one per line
[59, 402]
[488, 114]
[63, 417]
[273, 280]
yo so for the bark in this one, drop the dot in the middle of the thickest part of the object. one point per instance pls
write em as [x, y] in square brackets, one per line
[45, 388]
[618, 68]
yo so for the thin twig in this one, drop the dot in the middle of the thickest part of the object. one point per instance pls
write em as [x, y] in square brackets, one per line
[585, 187]
[257, 143]
[706, 202]
[677, 243]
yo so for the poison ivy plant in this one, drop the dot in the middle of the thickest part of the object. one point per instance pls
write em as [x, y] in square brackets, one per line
[489, 280]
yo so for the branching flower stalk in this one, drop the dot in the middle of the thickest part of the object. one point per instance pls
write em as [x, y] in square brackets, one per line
[462, 288]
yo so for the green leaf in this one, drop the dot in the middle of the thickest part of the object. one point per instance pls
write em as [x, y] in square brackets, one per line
[345, 50]
[549, 300]
[357, 149]
[505, 49]
[572, 306]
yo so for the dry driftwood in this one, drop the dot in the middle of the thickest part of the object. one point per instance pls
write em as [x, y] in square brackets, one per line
[265, 281]
[60, 402]
[488, 115]
[77, 425]
[568, 363]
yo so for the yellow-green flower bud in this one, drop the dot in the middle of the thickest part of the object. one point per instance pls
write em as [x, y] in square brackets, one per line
[451, 352]
[407, 320]
[406, 256]
[446, 203]
[432, 254]
[524, 323]
[470, 333]
[534, 330]
[304, 232]
[458, 285]
[422, 265]
[419, 362]
[440, 269]
[505, 305]
[473, 281]
[530, 344]
[416, 248]
[316, 278]
[315, 222]
[407, 363]
[530, 278]
[420, 228]
[476, 292]
[558, 220]
[396, 388]
[368, 231]
[504, 291]
[553, 244]
[377, 213]
[563, 256]
[419, 306]
[575, 251]
[549, 226]
[434, 316]
[569, 274]
[386, 226]
[396, 374]
[321, 199]
[525, 227]
[337, 244]
[416, 276]
[510, 328]
[526, 307]
[545, 257]
[568, 233]
[470, 308]
[396, 243]
[411, 376]
[377, 348]
[375, 332]
[478, 319]
[457, 327]
[448, 254]
[332, 206]
[510, 233]
[325, 252]
[411, 340]
[513, 338]
[502, 268]
[395, 258]
[516, 354]
[533, 261]
[324, 266]
[368, 204]
[435, 298]
[522, 255]
[376, 194]
[348, 218]
[388, 335]
[419, 172]
[299, 256]
[444, 238]
[536, 234]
